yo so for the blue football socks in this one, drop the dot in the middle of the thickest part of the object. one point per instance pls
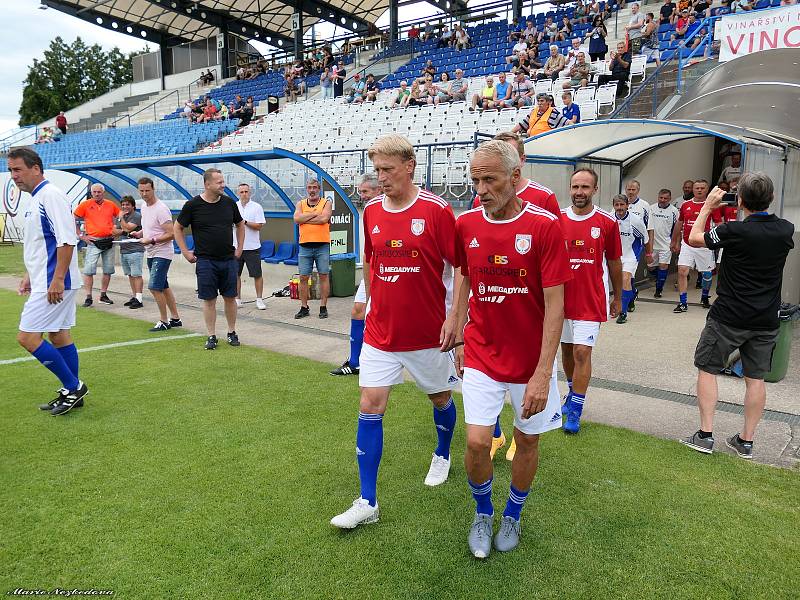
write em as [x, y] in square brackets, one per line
[516, 500]
[661, 279]
[445, 421]
[483, 497]
[356, 341]
[627, 296]
[498, 431]
[52, 359]
[369, 447]
[708, 277]
[684, 298]
[70, 356]
[577, 403]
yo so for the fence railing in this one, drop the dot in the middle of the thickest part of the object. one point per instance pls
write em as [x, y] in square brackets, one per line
[18, 137]
[150, 106]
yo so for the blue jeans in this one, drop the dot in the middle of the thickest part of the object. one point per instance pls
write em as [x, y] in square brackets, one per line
[320, 255]
[159, 267]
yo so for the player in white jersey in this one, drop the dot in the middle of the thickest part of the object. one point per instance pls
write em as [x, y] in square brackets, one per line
[634, 236]
[663, 216]
[640, 208]
[51, 279]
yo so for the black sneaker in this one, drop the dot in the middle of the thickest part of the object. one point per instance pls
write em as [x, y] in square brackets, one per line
[211, 343]
[175, 323]
[705, 302]
[657, 294]
[680, 308]
[159, 326]
[88, 302]
[345, 369]
[233, 339]
[632, 303]
[70, 400]
[134, 304]
[59, 394]
[622, 318]
[323, 312]
[302, 313]
[743, 449]
[129, 302]
[105, 299]
[695, 442]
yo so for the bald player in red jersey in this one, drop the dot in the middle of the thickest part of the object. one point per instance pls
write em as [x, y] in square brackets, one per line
[594, 247]
[509, 308]
[409, 250]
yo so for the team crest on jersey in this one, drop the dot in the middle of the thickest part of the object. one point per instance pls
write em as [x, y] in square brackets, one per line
[417, 226]
[523, 243]
[595, 233]
[481, 288]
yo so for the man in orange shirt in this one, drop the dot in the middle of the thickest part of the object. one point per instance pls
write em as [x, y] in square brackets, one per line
[313, 217]
[542, 118]
[98, 215]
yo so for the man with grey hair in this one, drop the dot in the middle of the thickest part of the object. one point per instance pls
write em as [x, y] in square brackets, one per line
[97, 215]
[555, 63]
[516, 311]
[744, 315]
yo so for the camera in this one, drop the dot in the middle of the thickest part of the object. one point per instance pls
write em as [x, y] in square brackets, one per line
[730, 199]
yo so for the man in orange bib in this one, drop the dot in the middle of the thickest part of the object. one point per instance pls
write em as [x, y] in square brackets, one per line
[313, 217]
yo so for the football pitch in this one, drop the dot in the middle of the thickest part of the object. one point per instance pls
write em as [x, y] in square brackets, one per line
[194, 474]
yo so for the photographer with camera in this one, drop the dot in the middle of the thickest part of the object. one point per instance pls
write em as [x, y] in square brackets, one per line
[745, 313]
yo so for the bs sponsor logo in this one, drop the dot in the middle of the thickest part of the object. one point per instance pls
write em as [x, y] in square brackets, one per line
[498, 259]
[394, 243]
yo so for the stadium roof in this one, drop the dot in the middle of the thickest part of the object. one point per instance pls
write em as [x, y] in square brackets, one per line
[270, 21]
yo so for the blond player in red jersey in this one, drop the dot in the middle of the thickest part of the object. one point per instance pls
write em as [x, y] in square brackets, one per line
[594, 246]
[540, 196]
[509, 303]
[409, 250]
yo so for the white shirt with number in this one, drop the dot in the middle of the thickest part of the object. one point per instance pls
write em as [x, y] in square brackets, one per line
[252, 213]
[663, 222]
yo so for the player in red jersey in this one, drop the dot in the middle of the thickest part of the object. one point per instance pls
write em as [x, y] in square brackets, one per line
[409, 248]
[593, 243]
[540, 196]
[509, 304]
[701, 259]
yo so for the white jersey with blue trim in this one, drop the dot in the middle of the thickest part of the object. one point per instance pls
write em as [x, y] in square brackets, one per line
[642, 210]
[663, 222]
[633, 234]
[49, 224]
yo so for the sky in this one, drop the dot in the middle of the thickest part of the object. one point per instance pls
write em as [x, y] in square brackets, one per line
[27, 32]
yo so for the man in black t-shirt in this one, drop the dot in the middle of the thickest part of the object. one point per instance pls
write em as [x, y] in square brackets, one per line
[745, 314]
[212, 215]
[666, 11]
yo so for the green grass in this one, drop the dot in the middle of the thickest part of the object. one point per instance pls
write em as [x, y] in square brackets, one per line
[11, 260]
[192, 474]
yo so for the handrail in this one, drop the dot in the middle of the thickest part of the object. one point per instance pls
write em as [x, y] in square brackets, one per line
[141, 110]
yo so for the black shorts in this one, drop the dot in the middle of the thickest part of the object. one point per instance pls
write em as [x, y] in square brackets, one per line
[718, 341]
[251, 258]
[216, 277]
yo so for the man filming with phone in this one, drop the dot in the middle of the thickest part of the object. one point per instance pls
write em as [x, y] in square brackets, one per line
[745, 312]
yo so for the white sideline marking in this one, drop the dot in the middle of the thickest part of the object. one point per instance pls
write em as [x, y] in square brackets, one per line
[162, 338]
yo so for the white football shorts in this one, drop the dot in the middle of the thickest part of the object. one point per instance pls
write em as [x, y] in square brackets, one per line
[484, 398]
[662, 257]
[433, 370]
[701, 259]
[629, 265]
[583, 333]
[361, 293]
[39, 316]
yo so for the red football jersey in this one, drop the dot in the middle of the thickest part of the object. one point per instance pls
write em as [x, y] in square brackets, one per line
[730, 213]
[508, 263]
[406, 251]
[592, 240]
[536, 194]
[688, 214]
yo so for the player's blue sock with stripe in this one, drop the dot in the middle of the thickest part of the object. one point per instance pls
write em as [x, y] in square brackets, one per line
[51, 358]
[498, 431]
[661, 279]
[483, 497]
[70, 356]
[356, 341]
[369, 447]
[627, 296]
[445, 421]
[708, 277]
[516, 500]
[684, 297]
[577, 403]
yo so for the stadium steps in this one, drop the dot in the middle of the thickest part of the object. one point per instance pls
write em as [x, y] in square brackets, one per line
[101, 117]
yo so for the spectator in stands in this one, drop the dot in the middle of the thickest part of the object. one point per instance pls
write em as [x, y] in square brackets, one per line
[413, 33]
[290, 89]
[681, 26]
[445, 39]
[240, 73]
[327, 59]
[650, 42]
[521, 47]
[666, 12]
[197, 112]
[98, 216]
[486, 97]
[131, 254]
[339, 75]
[572, 53]
[61, 122]
[581, 13]
[565, 32]
[313, 217]
[544, 117]
[503, 92]
[458, 87]
[413, 98]
[549, 32]
[522, 92]
[597, 40]
[462, 39]
[372, 88]
[209, 112]
[571, 111]
[579, 73]
[515, 30]
[403, 95]
[235, 107]
[442, 89]
[326, 83]
[741, 5]
[356, 95]
[428, 33]
[533, 59]
[523, 66]
[554, 65]
[594, 11]
[186, 113]
[634, 29]
[428, 70]
[427, 92]
[299, 73]
[247, 113]
[620, 67]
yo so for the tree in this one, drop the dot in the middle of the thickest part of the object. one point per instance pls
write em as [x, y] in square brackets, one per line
[69, 75]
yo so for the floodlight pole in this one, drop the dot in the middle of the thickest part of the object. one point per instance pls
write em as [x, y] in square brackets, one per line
[516, 9]
[297, 26]
[394, 19]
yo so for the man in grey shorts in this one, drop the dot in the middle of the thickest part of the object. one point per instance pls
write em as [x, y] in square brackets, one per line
[745, 313]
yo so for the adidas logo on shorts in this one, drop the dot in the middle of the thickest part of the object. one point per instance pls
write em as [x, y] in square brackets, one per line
[452, 379]
[556, 417]
[474, 243]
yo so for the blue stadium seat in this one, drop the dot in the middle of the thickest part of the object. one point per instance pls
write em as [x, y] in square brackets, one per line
[267, 249]
[285, 251]
[292, 260]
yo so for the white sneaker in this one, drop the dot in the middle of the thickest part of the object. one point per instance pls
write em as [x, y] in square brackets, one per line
[440, 469]
[361, 513]
[260, 304]
[238, 303]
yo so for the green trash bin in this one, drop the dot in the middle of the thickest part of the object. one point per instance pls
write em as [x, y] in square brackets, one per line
[783, 344]
[343, 275]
